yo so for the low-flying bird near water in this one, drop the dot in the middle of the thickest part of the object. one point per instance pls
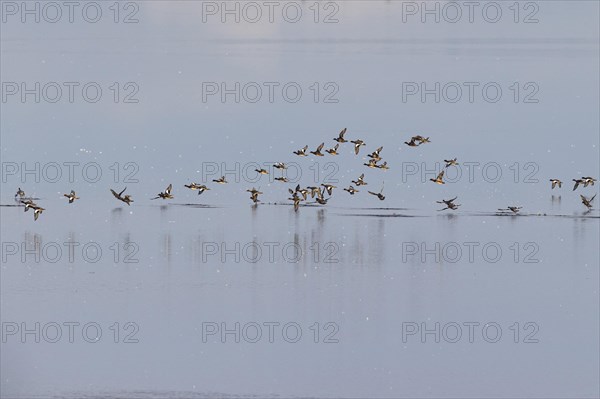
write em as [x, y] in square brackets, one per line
[295, 198]
[126, 199]
[577, 183]
[321, 198]
[360, 181]
[439, 178]
[329, 188]
[383, 166]
[421, 139]
[371, 164]
[357, 144]
[302, 191]
[375, 154]
[333, 151]
[71, 196]
[411, 143]
[194, 186]
[451, 162]
[379, 194]
[28, 204]
[351, 190]
[313, 191]
[318, 152]
[254, 193]
[588, 180]
[340, 138]
[449, 204]
[165, 194]
[37, 210]
[556, 182]
[587, 202]
[302, 151]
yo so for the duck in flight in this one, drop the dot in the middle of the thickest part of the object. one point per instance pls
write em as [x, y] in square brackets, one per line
[371, 164]
[411, 143]
[302, 191]
[220, 180]
[379, 194]
[383, 166]
[254, 193]
[37, 211]
[351, 190]
[357, 144]
[451, 162]
[318, 152]
[333, 151]
[438, 179]
[165, 194]
[126, 199]
[194, 186]
[329, 188]
[28, 204]
[375, 155]
[321, 198]
[282, 179]
[449, 204]
[280, 165]
[588, 180]
[577, 183]
[340, 138]
[587, 202]
[556, 182]
[295, 198]
[261, 171]
[20, 193]
[360, 181]
[421, 139]
[71, 196]
[313, 191]
[302, 151]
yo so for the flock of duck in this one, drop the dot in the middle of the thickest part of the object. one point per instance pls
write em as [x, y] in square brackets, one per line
[299, 194]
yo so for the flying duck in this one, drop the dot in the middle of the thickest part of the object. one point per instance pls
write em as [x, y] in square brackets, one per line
[340, 138]
[351, 190]
[357, 143]
[126, 199]
[166, 194]
[379, 194]
[587, 202]
[439, 178]
[71, 196]
[318, 152]
[556, 182]
[360, 181]
[333, 151]
[302, 151]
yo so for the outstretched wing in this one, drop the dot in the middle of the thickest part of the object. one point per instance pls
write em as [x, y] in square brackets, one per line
[115, 194]
[319, 148]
